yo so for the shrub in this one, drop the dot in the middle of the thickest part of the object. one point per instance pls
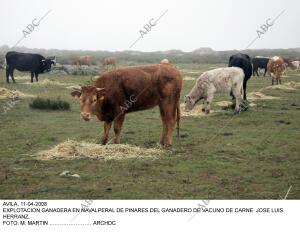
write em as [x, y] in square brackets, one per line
[41, 103]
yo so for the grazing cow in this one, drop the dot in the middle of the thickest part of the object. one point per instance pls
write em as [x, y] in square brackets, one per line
[276, 67]
[260, 62]
[116, 93]
[83, 60]
[296, 64]
[164, 61]
[289, 64]
[244, 62]
[109, 61]
[228, 79]
[34, 63]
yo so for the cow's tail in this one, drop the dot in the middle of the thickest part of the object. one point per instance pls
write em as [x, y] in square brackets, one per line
[178, 117]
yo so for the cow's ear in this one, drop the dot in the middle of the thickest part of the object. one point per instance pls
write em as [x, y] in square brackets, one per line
[100, 91]
[76, 93]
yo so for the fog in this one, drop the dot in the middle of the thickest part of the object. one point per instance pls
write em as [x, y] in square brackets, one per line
[115, 25]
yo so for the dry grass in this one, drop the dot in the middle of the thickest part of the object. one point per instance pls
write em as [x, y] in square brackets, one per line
[47, 81]
[260, 96]
[12, 94]
[73, 149]
[188, 78]
[224, 103]
[73, 87]
[196, 112]
[27, 77]
[285, 86]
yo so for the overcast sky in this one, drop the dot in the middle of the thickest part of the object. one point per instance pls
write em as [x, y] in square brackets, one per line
[115, 24]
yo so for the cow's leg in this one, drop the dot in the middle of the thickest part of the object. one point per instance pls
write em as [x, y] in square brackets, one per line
[118, 123]
[12, 75]
[238, 98]
[168, 115]
[37, 77]
[32, 75]
[7, 74]
[107, 126]
[245, 88]
[204, 105]
[265, 72]
[208, 103]
[279, 78]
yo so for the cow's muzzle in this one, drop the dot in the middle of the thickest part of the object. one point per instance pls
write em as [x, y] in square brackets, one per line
[86, 116]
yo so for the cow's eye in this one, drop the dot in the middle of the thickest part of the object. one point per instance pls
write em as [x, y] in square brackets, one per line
[94, 100]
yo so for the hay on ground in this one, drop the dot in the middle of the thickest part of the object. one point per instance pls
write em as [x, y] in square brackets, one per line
[196, 112]
[47, 81]
[224, 103]
[73, 149]
[285, 86]
[260, 96]
[188, 78]
[27, 77]
[12, 94]
[73, 87]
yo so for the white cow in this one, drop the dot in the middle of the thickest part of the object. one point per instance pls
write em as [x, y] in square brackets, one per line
[296, 64]
[228, 79]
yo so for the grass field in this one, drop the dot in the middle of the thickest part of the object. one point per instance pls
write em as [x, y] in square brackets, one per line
[254, 155]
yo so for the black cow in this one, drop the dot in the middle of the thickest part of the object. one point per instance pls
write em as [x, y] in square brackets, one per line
[34, 63]
[244, 62]
[260, 62]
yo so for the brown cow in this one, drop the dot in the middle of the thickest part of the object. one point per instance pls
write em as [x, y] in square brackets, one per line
[276, 67]
[109, 61]
[83, 60]
[131, 89]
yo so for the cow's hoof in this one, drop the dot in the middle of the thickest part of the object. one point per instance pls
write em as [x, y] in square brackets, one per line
[237, 112]
[207, 111]
[203, 109]
[167, 146]
[104, 141]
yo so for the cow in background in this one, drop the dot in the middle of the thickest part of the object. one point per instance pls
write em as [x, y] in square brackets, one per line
[109, 61]
[118, 92]
[296, 64]
[276, 68]
[82, 60]
[244, 62]
[34, 63]
[260, 62]
[164, 61]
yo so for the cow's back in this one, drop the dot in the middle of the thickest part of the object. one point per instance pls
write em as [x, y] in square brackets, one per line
[139, 88]
[23, 61]
[243, 61]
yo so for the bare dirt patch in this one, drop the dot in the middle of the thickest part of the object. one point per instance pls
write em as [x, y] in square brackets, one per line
[73, 150]
[12, 94]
